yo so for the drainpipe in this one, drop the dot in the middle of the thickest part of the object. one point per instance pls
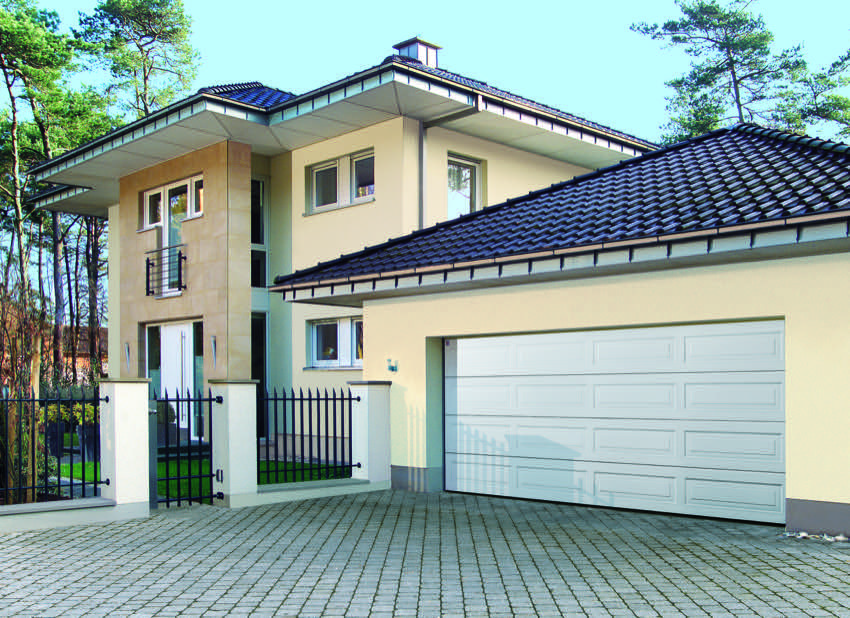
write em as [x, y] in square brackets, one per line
[421, 175]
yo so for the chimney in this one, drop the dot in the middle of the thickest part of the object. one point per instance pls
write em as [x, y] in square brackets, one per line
[420, 50]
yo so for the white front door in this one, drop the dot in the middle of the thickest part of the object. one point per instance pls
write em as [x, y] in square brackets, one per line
[178, 370]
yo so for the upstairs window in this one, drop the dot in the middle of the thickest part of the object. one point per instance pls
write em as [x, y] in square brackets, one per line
[172, 203]
[464, 186]
[348, 180]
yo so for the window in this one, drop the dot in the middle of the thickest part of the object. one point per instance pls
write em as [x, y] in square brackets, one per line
[464, 186]
[170, 205]
[344, 181]
[336, 343]
[258, 234]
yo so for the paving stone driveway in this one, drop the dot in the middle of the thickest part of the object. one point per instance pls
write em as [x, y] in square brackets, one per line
[398, 553]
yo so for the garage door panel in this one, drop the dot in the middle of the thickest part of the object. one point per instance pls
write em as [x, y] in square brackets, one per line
[568, 482]
[619, 487]
[742, 445]
[764, 450]
[685, 419]
[749, 498]
[711, 493]
[744, 346]
[628, 443]
[480, 475]
[742, 350]
[697, 396]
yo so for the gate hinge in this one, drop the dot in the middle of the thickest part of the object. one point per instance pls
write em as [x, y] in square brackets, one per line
[219, 475]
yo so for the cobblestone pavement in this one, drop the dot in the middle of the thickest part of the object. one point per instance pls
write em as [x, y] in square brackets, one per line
[396, 553]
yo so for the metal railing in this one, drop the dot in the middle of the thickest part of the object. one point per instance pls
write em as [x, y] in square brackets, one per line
[165, 271]
[183, 471]
[49, 446]
[304, 437]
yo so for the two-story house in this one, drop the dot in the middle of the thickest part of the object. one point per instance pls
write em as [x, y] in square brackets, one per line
[211, 197]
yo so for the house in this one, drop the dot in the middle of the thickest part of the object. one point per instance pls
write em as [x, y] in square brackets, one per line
[668, 333]
[209, 196]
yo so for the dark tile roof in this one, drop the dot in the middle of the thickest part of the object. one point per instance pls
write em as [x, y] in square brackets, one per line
[250, 93]
[504, 94]
[739, 175]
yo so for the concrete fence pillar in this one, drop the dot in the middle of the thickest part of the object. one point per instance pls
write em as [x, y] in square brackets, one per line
[234, 440]
[124, 452]
[370, 431]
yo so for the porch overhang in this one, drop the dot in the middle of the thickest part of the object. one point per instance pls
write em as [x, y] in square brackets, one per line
[384, 92]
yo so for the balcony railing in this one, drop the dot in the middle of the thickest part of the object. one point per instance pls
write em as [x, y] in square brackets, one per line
[165, 271]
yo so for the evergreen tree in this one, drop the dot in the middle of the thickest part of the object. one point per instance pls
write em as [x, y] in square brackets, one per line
[734, 75]
[145, 45]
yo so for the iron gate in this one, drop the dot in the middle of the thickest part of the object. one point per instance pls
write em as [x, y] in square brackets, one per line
[181, 449]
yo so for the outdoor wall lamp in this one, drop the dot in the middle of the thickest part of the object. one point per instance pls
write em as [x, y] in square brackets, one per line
[392, 366]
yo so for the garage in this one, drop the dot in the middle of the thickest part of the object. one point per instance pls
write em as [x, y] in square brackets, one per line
[685, 419]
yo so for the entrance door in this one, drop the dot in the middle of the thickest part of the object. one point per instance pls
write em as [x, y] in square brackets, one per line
[178, 376]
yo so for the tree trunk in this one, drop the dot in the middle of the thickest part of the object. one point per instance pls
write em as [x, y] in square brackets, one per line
[58, 297]
[92, 275]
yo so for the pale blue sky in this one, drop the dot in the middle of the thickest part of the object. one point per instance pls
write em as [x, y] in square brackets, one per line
[580, 57]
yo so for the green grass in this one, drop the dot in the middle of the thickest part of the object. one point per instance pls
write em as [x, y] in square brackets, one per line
[70, 439]
[185, 487]
[287, 472]
[92, 471]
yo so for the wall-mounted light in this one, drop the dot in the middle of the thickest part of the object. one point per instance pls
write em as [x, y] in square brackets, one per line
[127, 356]
[212, 344]
[392, 365]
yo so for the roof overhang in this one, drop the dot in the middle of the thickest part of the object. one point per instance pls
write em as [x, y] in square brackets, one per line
[810, 235]
[388, 91]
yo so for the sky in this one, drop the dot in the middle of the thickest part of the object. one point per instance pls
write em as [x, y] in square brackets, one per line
[577, 56]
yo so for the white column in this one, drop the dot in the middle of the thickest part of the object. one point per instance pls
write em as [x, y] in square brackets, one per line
[370, 431]
[234, 440]
[124, 449]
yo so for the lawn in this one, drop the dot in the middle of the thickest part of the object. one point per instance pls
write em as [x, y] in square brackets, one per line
[270, 473]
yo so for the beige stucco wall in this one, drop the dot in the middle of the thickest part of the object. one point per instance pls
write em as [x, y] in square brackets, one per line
[811, 294]
[394, 212]
[507, 172]
[217, 266]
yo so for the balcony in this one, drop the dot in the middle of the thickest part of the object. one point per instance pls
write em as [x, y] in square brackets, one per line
[165, 271]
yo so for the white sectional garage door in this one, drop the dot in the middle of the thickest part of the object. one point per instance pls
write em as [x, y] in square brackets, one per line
[686, 419]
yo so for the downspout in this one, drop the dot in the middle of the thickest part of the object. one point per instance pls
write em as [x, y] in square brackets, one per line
[421, 175]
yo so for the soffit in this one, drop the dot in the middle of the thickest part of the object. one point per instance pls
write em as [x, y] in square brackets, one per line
[311, 119]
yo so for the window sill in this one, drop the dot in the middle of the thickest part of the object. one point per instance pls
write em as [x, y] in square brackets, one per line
[332, 368]
[170, 294]
[359, 201]
[159, 225]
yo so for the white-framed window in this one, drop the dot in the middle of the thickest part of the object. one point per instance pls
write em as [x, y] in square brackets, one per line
[347, 180]
[172, 203]
[464, 186]
[336, 343]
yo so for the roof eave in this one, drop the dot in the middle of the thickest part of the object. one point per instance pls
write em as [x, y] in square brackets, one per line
[40, 171]
[776, 235]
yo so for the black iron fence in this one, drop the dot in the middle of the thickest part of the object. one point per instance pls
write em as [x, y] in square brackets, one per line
[182, 468]
[304, 437]
[165, 270]
[49, 445]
